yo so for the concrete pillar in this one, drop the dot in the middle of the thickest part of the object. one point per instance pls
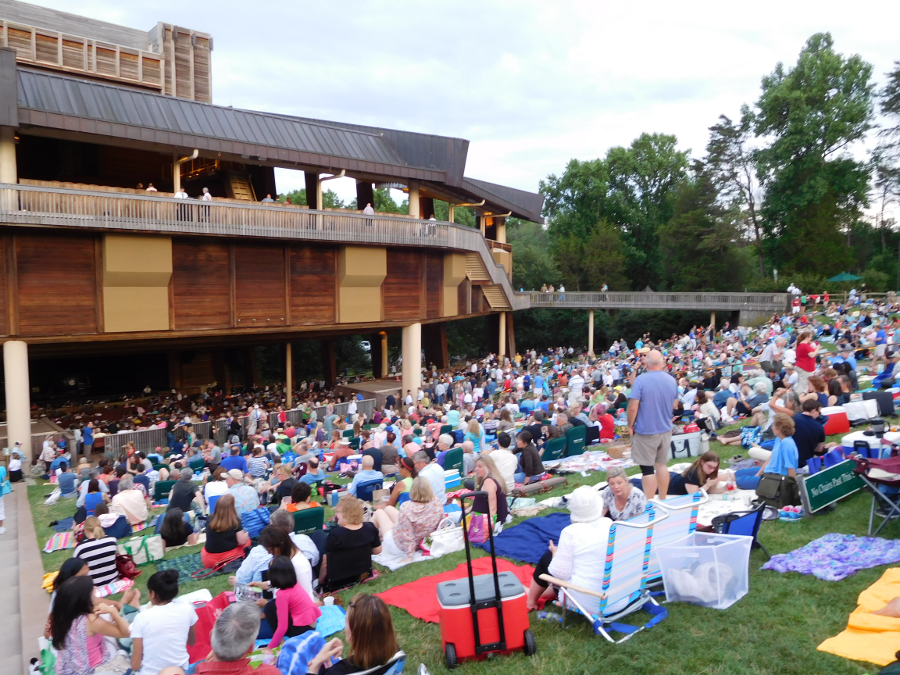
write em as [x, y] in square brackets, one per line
[384, 354]
[8, 171]
[590, 332]
[712, 318]
[289, 375]
[412, 360]
[501, 229]
[501, 350]
[18, 396]
[313, 190]
[413, 205]
[176, 174]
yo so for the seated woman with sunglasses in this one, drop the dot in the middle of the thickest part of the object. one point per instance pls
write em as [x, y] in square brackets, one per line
[703, 473]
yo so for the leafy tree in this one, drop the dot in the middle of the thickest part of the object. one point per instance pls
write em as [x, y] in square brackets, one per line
[730, 161]
[533, 263]
[890, 108]
[329, 198]
[813, 112]
[461, 216]
[700, 242]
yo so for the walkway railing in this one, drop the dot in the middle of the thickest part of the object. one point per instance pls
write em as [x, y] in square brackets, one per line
[145, 440]
[761, 302]
[59, 207]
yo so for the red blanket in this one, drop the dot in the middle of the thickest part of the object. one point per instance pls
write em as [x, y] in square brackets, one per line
[419, 597]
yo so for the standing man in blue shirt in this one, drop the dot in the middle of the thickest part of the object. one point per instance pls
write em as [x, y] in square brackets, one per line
[87, 434]
[650, 423]
[880, 347]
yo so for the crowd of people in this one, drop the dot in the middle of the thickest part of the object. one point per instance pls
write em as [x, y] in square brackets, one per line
[501, 413]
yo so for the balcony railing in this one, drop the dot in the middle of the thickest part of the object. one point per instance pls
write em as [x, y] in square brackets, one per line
[761, 302]
[84, 209]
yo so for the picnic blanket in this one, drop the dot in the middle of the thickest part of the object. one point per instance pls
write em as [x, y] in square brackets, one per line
[113, 587]
[528, 540]
[60, 541]
[595, 460]
[64, 524]
[836, 556]
[333, 620]
[869, 637]
[419, 597]
[185, 565]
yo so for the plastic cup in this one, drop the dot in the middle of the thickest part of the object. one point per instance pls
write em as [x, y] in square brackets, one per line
[329, 600]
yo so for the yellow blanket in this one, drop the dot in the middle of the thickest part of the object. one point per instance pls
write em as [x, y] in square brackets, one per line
[870, 637]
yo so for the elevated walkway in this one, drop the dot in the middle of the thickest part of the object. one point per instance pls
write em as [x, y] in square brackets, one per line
[767, 303]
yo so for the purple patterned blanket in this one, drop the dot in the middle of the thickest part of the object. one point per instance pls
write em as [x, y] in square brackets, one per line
[837, 556]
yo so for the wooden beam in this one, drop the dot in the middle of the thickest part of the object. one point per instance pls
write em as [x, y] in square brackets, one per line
[232, 286]
[12, 283]
[98, 281]
[287, 286]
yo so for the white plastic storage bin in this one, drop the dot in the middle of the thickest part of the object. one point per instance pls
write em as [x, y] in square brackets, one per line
[683, 446]
[711, 570]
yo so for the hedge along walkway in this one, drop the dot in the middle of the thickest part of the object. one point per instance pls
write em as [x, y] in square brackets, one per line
[772, 631]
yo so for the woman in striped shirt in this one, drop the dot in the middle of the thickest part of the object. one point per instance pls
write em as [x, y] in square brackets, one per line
[99, 552]
[257, 464]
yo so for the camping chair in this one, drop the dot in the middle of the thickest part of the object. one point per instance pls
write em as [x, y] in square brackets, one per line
[453, 459]
[347, 433]
[212, 504]
[354, 443]
[446, 428]
[744, 523]
[624, 589]
[878, 473]
[197, 464]
[393, 667]
[554, 449]
[162, 489]
[309, 520]
[347, 567]
[575, 438]
[681, 521]
[364, 490]
[404, 497]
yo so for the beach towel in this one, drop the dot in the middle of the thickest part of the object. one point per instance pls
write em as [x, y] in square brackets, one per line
[333, 620]
[395, 562]
[60, 541]
[528, 541]
[185, 565]
[113, 587]
[870, 637]
[836, 556]
[419, 597]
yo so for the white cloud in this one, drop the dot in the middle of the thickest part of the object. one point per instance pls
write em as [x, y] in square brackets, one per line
[531, 84]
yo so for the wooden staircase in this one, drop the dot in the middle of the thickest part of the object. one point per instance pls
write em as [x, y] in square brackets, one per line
[496, 297]
[475, 268]
[239, 186]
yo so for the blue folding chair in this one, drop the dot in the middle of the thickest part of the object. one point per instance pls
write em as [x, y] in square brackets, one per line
[742, 523]
[832, 458]
[364, 490]
[212, 504]
[404, 497]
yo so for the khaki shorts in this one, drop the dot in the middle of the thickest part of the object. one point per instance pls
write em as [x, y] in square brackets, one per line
[647, 450]
[880, 350]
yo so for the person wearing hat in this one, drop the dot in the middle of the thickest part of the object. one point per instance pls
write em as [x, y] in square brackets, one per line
[574, 558]
[245, 497]
[343, 450]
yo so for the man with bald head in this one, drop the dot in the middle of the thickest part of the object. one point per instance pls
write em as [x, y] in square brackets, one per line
[650, 423]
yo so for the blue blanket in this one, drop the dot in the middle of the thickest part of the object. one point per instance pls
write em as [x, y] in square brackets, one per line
[528, 540]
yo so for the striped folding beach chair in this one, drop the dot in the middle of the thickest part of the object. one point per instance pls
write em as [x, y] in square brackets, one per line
[681, 521]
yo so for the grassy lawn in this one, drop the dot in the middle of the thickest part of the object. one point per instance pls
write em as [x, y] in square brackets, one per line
[773, 630]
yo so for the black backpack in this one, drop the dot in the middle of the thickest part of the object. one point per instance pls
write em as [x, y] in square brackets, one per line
[778, 491]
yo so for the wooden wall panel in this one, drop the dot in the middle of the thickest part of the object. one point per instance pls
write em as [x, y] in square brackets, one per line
[201, 288]
[479, 302]
[259, 285]
[402, 285]
[434, 280]
[4, 290]
[312, 285]
[56, 299]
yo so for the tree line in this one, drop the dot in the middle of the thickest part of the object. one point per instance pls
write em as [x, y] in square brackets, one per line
[777, 192]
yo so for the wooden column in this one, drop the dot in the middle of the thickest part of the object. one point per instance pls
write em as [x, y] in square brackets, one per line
[375, 353]
[510, 334]
[412, 360]
[414, 206]
[8, 170]
[313, 187]
[434, 340]
[712, 318]
[501, 350]
[289, 375]
[365, 194]
[329, 363]
[384, 355]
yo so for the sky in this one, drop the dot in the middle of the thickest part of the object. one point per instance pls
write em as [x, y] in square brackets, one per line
[531, 85]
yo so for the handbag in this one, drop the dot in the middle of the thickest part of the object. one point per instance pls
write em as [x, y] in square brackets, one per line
[126, 567]
[144, 549]
[478, 528]
[778, 491]
[447, 538]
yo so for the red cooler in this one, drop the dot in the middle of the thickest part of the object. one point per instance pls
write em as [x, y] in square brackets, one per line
[837, 423]
[483, 614]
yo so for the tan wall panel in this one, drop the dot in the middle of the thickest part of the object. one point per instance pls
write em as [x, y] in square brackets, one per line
[130, 260]
[130, 309]
[361, 271]
[454, 273]
[505, 259]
